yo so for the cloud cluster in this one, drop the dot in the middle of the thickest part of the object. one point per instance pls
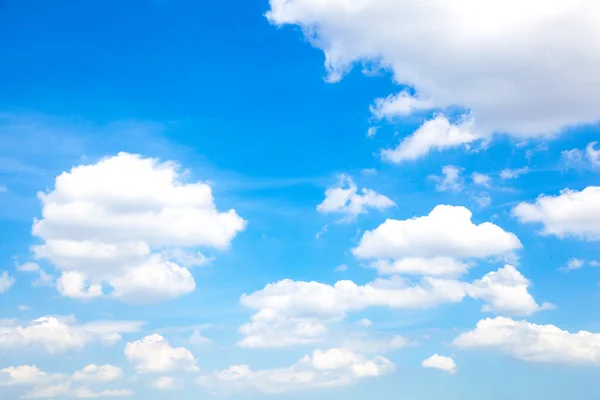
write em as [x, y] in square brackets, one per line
[125, 222]
[321, 369]
[58, 335]
[43, 385]
[499, 62]
[440, 362]
[534, 343]
[154, 354]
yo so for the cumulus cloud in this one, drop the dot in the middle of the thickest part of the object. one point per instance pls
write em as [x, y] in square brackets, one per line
[58, 335]
[290, 313]
[533, 343]
[440, 362]
[321, 369]
[573, 264]
[505, 291]
[99, 373]
[344, 198]
[44, 385]
[435, 134]
[576, 158]
[164, 383]
[6, 281]
[499, 58]
[154, 354]
[481, 179]
[434, 244]
[125, 222]
[571, 213]
[401, 104]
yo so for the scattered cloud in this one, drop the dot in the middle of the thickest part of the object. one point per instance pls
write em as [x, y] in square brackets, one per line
[450, 181]
[364, 322]
[344, 198]
[321, 369]
[58, 335]
[573, 264]
[372, 131]
[341, 268]
[576, 158]
[513, 173]
[481, 179]
[571, 213]
[398, 105]
[164, 383]
[533, 343]
[440, 362]
[154, 354]
[98, 373]
[6, 281]
[198, 340]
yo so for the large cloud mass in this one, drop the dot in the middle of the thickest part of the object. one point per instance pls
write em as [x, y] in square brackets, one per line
[119, 221]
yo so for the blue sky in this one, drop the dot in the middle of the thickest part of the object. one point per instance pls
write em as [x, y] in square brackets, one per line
[182, 184]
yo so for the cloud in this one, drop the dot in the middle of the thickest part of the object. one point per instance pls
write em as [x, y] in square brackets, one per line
[374, 345]
[154, 354]
[446, 232]
[513, 173]
[322, 369]
[58, 335]
[505, 292]
[85, 393]
[450, 181]
[440, 362]
[364, 322]
[495, 59]
[481, 179]
[571, 213]
[198, 340]
[26, 375]
[6, 281]
[533, 343]
[436, 266]
[291, 313]
[344, 198]
[98, 373]
[573, 264]
[372, 131]
[435, 134]
[576, 158]
[341, 268]
[164, 383]
[401, 104]
[23, 307]
[125, 222]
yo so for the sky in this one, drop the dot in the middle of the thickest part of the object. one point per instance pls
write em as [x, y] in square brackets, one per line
[334, 199]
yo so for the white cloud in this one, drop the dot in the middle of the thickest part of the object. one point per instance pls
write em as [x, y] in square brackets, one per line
[435, 134]
[401, 104]
[154, 354]
[26, 375]
[164, 383]
[593, 154]
[576, 158]
[28, 267]
[99, 373]
[571, 213]
[573, 264]
[23, 307]
[481, 179]
[85, 393]
[483, 200]
[341, 268]
[436, 266]
[506, 292]
[48, 392]
[290, 313]
[344, 198]
[364, 322]
[440, 362]
[322, 369]
[450, 181]
[595, 263]
[372, 131]
[198, 340]
[513, 173]
[534, 343]
[497, 59]
[57, 335]
[125, 222]
[6, 281]
[446, 232]
[375, 345]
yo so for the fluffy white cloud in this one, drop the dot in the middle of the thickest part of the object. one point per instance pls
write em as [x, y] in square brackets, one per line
[374, 345]
[26, 375]
[505, 292]
[535, 343]
[6, 281]
[435, 134]
[497, 59]
[440, 362]
[436, 266]
[125, 222]
[154, 354]
[576, 158]
[333, 367]
[164, 383]
[446, 232]
[100, 373]
[573, 264]
[450, 181]
[198, 340]
[57, 335]
[571, 213]
[295, 313]
[344, 198]
[364, 322]
[513, 173]
[400, 104]
[49, 392]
